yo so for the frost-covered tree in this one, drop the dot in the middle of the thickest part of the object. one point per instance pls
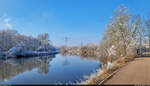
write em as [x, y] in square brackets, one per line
[148, 29]
[7, 39]
[10, 38]
[123, 30]
[45, 43]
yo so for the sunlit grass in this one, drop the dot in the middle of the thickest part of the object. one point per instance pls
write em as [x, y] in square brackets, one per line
[102, 74]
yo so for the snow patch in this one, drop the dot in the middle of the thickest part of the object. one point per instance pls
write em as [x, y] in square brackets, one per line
[110, 65]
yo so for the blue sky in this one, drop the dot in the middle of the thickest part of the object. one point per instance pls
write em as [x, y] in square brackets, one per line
[80, 20]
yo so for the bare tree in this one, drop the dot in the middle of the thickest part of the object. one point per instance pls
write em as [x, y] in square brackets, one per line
[148, 28]
[123, 30]
[44, 41]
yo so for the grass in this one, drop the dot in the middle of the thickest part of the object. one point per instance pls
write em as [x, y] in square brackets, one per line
[106, 72]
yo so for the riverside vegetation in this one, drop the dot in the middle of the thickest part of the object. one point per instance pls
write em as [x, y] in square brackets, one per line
[14, 44]
[124, 34]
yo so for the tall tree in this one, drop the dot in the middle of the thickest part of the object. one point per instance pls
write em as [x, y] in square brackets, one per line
[123, 30]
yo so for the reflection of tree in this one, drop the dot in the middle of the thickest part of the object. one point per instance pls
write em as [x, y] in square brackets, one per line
[102, 60]
[13, 67]
[66, 62]
[44, 66]
[5, 70]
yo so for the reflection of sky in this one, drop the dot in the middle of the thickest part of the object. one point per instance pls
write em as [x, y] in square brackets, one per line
[81, 20]
[75, 70]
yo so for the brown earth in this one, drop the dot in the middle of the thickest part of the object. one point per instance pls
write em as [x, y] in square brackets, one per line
[136, 72]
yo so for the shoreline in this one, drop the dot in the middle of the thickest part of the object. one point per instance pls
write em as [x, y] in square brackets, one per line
[104, 74]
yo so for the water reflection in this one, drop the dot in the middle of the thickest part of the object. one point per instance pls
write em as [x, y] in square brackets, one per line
[12, 67]
[46, 70]
[66, 62]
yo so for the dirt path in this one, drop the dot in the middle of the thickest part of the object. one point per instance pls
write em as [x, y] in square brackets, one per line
[136, 72]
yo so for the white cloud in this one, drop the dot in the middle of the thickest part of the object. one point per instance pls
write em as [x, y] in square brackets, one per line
[6, 20]
[7, 24]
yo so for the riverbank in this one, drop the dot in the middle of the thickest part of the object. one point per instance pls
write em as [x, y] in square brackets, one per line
[136, 72]
[105, 73]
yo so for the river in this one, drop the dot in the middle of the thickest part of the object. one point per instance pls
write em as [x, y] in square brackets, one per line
[46, 70]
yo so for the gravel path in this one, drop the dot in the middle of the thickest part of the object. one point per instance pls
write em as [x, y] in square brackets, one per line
[136, 72]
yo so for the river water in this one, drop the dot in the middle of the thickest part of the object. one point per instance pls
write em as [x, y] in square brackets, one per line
[46, 70]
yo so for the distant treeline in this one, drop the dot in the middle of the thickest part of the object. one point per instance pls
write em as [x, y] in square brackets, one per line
[86, 50]
[9, 38]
